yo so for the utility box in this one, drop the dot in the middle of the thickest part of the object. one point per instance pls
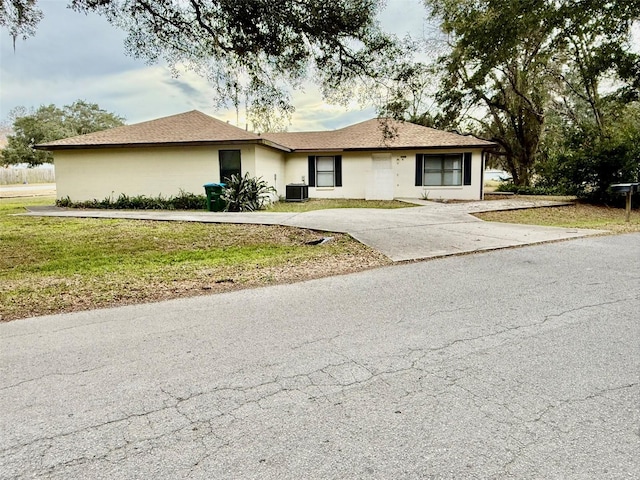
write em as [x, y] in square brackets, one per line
[297, 192]
[214, 193]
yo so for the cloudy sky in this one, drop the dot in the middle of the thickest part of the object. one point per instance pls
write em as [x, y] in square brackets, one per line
[74, 56]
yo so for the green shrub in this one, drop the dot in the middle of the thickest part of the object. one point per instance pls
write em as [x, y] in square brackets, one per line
[528, 190]
[589, 157]
[184, 201]
[246, 194]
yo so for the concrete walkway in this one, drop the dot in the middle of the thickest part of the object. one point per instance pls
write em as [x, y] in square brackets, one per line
[426, 231]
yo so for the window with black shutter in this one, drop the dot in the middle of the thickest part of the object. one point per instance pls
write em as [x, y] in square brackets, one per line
[466, 168]
[444, 169]
[325, 171]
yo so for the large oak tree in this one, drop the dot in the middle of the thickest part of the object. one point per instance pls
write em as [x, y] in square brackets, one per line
[251, 50]
[511, 61]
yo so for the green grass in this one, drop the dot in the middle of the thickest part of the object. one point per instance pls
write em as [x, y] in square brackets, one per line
[51, 265]
[323, 204]
[577, 215]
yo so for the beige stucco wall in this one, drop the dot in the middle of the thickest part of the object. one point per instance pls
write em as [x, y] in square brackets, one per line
[357, 176]
[270, 166]
[355, 168]
[404, 164]
[100, 173]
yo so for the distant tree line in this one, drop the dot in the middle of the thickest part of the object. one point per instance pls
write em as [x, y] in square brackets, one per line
[49, 123]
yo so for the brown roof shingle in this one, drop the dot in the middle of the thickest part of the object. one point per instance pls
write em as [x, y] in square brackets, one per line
[376, 134]
[192, 127]
[197, 128]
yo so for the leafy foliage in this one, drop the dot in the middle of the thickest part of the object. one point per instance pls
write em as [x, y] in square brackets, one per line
[412, 96]
[20, 17]
[250, 50]
[588, 157]
[512, 63]
[246, 194]
[183, 201]
[529, 190]
[49, 123]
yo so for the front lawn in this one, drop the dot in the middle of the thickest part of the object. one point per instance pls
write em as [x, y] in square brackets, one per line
[578, 215]
[52, 265]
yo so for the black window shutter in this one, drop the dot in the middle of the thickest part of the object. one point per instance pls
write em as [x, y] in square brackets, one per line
[337, 164]
[419, 169]
[466, 168]
[312, 171]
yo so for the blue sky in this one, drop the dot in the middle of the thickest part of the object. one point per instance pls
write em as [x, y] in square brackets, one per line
[76, 56]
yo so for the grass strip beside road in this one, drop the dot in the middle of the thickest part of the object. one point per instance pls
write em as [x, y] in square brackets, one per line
[578, 215]
[53, 265]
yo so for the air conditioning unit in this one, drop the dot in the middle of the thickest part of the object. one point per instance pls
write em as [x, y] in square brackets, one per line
[297, 192]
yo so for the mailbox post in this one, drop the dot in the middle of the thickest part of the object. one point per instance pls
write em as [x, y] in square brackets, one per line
[629, 189]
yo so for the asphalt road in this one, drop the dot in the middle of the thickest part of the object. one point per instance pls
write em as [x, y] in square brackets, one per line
[27, 190]
[521, 363]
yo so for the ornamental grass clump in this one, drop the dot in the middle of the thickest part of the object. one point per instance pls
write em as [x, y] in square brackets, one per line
[246, 194]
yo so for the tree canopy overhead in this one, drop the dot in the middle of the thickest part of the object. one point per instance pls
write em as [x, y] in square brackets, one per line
[49, 123]
[20, 17]
[250, 50]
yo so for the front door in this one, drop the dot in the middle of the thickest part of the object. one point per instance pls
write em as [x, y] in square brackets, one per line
[380, 183]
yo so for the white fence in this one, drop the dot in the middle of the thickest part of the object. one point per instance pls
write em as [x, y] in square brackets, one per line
[11, 175]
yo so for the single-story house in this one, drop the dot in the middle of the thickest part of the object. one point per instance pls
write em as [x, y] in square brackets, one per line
[375, 159]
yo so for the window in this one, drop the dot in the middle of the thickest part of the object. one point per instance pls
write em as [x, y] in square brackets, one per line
[229, 164]
[325, 171]
[446, 169]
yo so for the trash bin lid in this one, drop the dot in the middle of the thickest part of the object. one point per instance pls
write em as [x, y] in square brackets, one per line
[215, 184]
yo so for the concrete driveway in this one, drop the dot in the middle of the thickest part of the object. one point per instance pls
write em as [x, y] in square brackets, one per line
[511, 364]
[426, 231]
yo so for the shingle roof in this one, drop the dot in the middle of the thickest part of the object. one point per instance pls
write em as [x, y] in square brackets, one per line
[375, 134]
[197, 128]
[185, 128]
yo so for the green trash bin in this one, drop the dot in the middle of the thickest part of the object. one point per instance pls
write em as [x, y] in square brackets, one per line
[214, 193]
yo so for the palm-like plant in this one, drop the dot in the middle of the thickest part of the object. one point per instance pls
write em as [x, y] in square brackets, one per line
[246, 194]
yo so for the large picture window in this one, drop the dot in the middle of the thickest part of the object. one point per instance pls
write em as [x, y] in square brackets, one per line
[325, 171]
[229, 164]
[445, 169]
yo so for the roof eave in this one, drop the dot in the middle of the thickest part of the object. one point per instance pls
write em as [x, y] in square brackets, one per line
[204, 143]
[414, 147]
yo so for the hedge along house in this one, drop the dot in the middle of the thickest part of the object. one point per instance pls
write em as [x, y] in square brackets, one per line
[375, 159]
